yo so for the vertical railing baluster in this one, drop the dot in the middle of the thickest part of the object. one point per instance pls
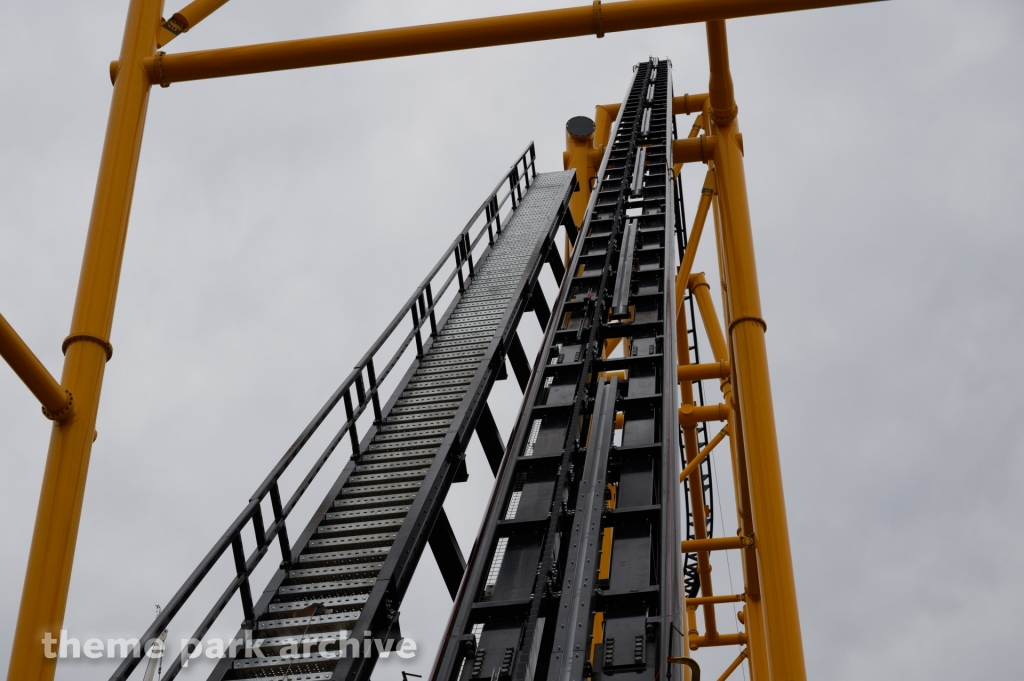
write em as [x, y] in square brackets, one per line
[257, 526]
[458, 267]
[372, 375]
[416, 327]
[512, 181]
[353, 434]
[282, 529]
[243, 589]
[497, 212]
[469, 254]
[430, 306]
[360, 390]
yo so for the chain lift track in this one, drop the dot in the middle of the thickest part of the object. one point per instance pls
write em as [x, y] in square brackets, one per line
[576, 572]
[350, 567]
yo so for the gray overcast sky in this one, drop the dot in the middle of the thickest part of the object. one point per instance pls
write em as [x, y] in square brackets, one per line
[280, 220]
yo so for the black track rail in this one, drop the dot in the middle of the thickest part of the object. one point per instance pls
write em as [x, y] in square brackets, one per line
[583, 527]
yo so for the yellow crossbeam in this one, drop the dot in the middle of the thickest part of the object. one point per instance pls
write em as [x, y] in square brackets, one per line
[596, 19]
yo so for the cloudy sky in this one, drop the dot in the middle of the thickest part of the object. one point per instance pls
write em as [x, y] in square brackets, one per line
[280, 221]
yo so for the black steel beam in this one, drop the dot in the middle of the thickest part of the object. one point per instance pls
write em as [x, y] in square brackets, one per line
[520, 364]
[557, 267]
[447, 553]
[539, 305]
[490, 438]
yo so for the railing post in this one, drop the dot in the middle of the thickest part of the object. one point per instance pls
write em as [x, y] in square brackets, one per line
[282, 529]
[497, 212]
[416, 329]
[353, 435]
[458, 267]
[469, 254]
[243, 589]
[258, 528]
[513, 180]
[372, 375]
[430, 306]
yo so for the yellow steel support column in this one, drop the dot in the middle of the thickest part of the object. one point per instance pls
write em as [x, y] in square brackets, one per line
[87, 350]
[579, 142]
[749, 365]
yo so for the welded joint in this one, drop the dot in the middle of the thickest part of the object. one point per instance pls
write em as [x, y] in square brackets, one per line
[66, 412]
[158, 67]
[691, 414]
[598, 21]
[74, 338]
[757, 320]
[694, 149]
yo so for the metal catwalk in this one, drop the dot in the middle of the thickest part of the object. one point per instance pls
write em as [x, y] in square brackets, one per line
[349, 569]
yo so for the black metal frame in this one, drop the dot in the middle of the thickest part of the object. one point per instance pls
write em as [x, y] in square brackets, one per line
[531, 636]
[422, 308]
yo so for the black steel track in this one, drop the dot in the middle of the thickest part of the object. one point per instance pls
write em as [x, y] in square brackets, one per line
[577, 571]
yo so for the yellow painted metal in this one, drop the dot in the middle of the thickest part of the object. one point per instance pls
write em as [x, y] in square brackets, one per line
[693, 149]
[707, 193]
[751, 379]
[189, 16]
[732, 598]
[703, 372]
[577, 157]
[87, 350]
[58, 403]
[715, 544]
[591, 19]
[692, 414]
[708, 448]
[696, 485]
[735, 664]
[720, 640]
[701, 290]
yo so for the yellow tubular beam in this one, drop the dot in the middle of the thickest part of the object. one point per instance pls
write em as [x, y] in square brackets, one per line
[577, 157]
[707, 193]
[188, 17]
[696, 484]
[716, 544]
[87, 350]
[749, 363]
[692, 465]
[591, 19]
[58, 404]
[688, 104]
[715, 600]
[692, 414]
[693, 149]
[702, 372]
[732, 667]
[721, 640]
[702, 292]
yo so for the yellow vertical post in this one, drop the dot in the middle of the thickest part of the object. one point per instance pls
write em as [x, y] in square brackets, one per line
[579, 142]
[751, 380]
[754, 616]
[87, 350]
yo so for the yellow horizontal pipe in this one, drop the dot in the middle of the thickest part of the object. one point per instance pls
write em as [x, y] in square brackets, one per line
[692, 466]
[721, 640]
[703, 372]
[694, 149]
[58, 404]
[715, 544]
[688, 104]
[591, 19]
[692, 414]
[715, 600]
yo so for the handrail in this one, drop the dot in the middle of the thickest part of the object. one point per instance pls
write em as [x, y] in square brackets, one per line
[422, 306]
